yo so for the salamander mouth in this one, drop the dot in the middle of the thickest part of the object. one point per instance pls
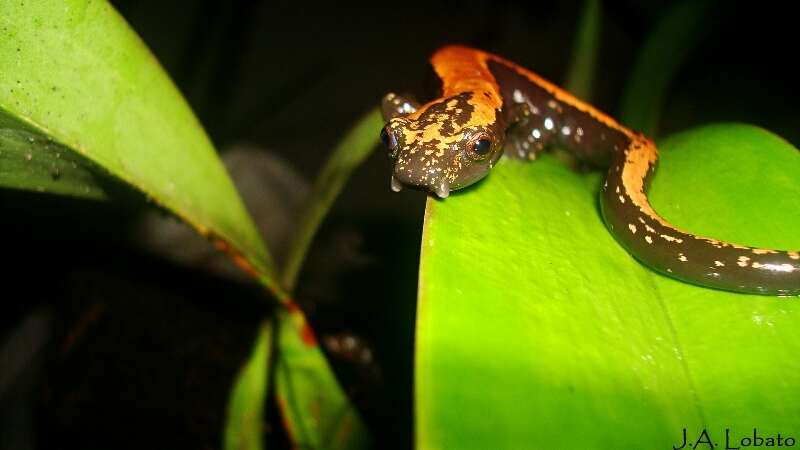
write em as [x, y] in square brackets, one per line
[441, 188]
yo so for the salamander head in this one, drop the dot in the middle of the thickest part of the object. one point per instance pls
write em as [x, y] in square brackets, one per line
[447, 144]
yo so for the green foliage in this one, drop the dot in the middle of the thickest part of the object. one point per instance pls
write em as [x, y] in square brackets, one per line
[82, 102]
[529, 309]
[317, 412]
[301, 375]
[34, 161]
[245, 424]
[348, 154]
[74, 73]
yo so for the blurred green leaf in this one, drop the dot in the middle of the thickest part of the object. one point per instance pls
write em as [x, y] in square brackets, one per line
[348, 154]
[77, 84]
[244, 425]
[530, 310]
[33, 161]
[74, 76]
[661, 56]
[317, 412]
[584, 52]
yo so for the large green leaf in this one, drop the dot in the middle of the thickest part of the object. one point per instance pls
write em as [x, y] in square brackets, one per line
[74, 76]
[536, 330]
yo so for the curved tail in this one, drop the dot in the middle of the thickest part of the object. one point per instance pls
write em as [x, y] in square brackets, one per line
[694, 259]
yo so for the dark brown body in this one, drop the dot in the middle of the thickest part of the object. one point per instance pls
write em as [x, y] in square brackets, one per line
[535, 114]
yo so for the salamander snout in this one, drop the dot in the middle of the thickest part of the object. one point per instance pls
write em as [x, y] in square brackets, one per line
[433, 180]
[417, 164]
[445, 145]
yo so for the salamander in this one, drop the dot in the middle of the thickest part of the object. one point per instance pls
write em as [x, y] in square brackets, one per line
[490, 107]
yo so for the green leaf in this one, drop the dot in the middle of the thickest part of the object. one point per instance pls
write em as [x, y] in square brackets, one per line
[244, 425]
[348, 154]
[32, 161]
[317, 412]
[530, 310]
[74, 76]
[662, 55]
[584, 52]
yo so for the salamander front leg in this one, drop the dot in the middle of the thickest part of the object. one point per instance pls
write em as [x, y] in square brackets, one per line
[393, 105]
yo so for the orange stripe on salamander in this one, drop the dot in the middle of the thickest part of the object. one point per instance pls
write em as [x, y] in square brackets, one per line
[490, 101]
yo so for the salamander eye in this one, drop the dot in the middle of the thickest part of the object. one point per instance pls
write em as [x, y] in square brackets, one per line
[479, 146]
[388, 138]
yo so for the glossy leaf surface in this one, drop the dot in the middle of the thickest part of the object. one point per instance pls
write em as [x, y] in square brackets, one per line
[536, 330]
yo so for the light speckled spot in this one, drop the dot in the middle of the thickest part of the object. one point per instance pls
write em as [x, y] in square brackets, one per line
[762, 251]
[669, 238]
[648, 239]
[776, 267]
[719, 263]
[632, 227]
[742, 261]
[682, 257]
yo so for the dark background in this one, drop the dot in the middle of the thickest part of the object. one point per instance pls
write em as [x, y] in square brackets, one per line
[105, 344]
